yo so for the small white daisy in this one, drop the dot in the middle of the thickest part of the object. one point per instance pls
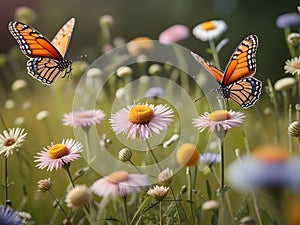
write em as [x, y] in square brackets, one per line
[11, 139]
[209, 30]
[293, 66]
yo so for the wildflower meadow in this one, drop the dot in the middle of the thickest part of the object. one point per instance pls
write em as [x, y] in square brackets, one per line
[145, 130]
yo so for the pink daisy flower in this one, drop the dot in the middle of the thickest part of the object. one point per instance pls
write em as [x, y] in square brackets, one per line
[56, 156]
[174, 34]
[83, 118]
[219, 120]
[120, 183]
[141, 119]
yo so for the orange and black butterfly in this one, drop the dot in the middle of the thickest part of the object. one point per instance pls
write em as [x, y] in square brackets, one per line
[237, 82]
[46, 59]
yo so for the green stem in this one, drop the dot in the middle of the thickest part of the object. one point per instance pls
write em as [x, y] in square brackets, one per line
[135, 166]
[299, 145]
[125, 210]
[221, 101]
[212, 171]
[3, 122]
[105, 35]
[153, 156]
[6, 178]
[173, 194]
[291, 48]
[88, 216]
[298, 82]
[142, 209]
[228, 202]
[289, 122]
[67, 168]
[87, 142]
[160, 213]
[221, 143]
[61, 208]
[256, 209]
[189, 191]
[221, 219]
[183, 67]
[286, 107]
[214, 53]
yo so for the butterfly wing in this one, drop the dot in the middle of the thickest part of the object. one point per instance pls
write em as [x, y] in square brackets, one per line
[244, 92]
[46, 70]
[242, 63]
[32, 43]
[213, 70]
[62, 38]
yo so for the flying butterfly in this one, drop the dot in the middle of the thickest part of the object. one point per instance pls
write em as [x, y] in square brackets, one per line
[46, 59]
[236, 82]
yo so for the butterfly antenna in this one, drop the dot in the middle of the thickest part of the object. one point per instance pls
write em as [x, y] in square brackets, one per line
[202, 96]
[197, 99]
[80, 57]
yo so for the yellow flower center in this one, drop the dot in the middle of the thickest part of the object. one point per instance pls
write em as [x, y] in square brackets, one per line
[140, 45]
[9, 142]
[141, 114]
[271, 153]
[219, 115]
[57, 151]
[209, 25]
[85, 115]
[118, 176]
[296, 64]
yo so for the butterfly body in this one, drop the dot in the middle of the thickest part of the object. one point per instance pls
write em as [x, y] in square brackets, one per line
[236, 82]
[46, 59]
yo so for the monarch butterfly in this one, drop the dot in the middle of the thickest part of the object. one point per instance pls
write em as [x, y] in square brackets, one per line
[46, 59]
[236, 82]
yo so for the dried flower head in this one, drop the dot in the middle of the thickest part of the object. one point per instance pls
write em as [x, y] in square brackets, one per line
[44, 185]
[78, 196]
[158, 192]
[165, 177]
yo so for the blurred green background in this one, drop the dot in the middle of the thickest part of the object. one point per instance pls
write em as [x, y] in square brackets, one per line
[132, 19]
[136, 18]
